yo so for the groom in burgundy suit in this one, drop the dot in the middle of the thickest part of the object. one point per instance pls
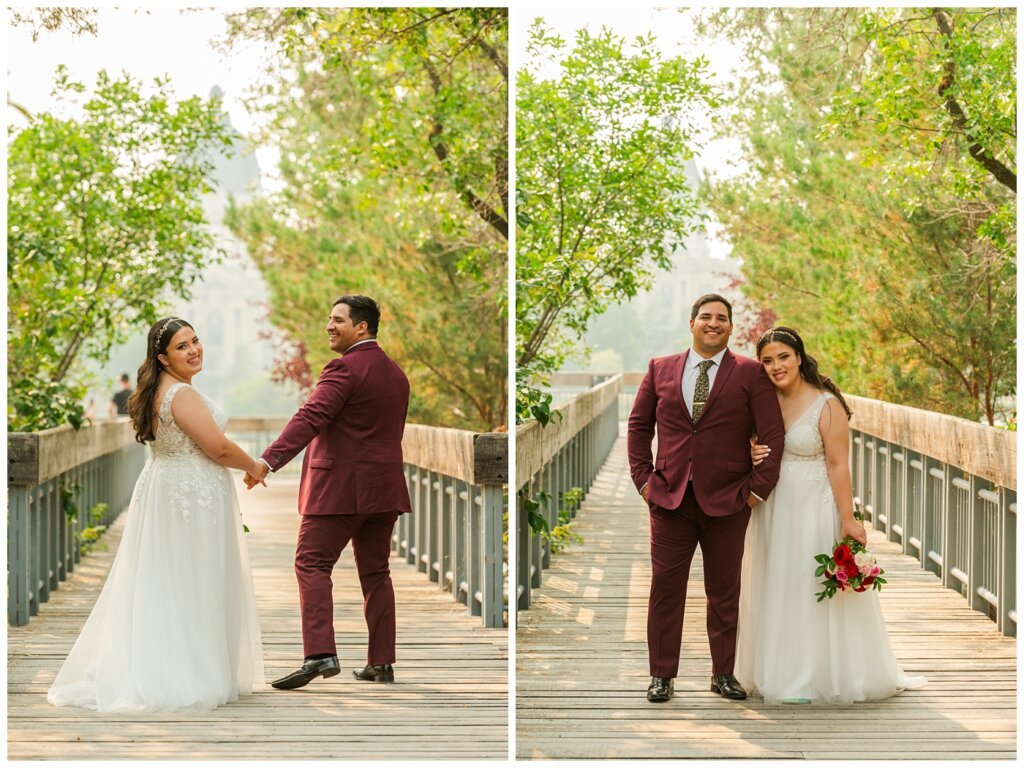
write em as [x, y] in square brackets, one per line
[706, 404]
[352, 489]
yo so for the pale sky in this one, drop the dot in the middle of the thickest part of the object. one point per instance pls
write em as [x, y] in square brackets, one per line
[146, 43]
[674, 36]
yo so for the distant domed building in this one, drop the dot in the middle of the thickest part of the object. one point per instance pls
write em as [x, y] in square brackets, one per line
[657, 322]
[229, 305]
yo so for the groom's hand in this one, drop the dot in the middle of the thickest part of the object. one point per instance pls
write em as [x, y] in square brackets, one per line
[255, 476]
[753, 501]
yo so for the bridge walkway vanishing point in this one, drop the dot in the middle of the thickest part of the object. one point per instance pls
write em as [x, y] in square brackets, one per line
[581, 660]
[449, 700]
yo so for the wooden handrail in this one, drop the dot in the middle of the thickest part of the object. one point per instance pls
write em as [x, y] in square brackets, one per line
[979, 449]
[536, 445]
[35, 457]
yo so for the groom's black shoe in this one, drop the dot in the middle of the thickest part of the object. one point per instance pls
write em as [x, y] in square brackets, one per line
[310, 670]
[378, 673]
[728, 686]
[660, 689]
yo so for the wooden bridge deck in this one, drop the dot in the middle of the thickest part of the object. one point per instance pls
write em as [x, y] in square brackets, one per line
[581, 660]
[450, 699]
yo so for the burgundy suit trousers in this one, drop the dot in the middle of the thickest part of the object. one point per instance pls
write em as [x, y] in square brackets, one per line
[675, 535]
[321, 541]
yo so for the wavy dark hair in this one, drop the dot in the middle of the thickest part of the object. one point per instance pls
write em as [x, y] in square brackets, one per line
[140, 404]
[808, 365]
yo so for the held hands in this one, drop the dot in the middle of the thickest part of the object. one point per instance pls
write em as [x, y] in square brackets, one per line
[255, 475]
[854, 529]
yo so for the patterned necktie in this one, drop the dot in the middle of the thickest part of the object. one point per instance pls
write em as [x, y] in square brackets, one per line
[700, 392]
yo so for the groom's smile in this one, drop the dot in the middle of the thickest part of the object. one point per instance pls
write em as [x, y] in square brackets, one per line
[711, 328]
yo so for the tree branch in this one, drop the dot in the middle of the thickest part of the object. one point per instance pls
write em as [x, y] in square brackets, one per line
[982, 156]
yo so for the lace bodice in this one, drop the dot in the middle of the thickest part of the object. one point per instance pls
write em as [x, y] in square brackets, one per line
[197, 483]
[803, 440]
[170, 440]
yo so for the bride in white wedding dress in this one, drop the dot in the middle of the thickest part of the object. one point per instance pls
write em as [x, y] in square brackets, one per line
[175, 627]
[791, 648]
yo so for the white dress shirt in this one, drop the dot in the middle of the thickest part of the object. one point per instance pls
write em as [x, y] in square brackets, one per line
[692, 371]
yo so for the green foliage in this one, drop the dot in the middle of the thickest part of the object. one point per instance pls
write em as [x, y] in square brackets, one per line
[532, 402]
[602, 199]
[104, 217]
[530, 505]
[885, 242]
[392, 125]
[562, 535]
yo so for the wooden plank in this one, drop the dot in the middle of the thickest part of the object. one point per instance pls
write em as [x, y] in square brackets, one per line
[581, 660]
[449, 701]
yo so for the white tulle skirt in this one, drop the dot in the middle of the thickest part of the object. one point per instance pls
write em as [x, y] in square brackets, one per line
[791, 648]
[175, 627]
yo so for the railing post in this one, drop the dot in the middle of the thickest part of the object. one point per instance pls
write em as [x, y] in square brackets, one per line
[1007, 620]
[934, 509]
[524, 559]
[473, 550]
[492, 600]
[956, 533]
[447, 533]
[984, 558]
[422, 557]
[463, 542]
[18, 499]
[536, 555]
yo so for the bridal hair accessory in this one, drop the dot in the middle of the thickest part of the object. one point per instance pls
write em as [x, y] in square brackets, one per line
[163, 329]
[850, 566]
[785, 334]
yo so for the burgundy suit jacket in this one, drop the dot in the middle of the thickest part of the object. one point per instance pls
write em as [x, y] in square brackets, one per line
[714, 452]
[353, 424]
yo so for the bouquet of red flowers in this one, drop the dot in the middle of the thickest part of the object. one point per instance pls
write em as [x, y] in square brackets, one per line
[848, 567]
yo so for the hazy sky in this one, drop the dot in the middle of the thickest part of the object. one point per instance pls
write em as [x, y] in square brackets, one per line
[146, 43]
[674, 36]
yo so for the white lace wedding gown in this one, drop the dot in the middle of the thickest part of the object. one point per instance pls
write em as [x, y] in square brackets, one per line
[791, 648]
[175, 627]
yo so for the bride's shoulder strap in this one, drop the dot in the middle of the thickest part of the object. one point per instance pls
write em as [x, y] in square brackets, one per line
[165, 405]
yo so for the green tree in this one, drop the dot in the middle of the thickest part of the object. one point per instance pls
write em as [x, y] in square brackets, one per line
[866, 219]
[392, 125]
[602, 196]
[103, 218]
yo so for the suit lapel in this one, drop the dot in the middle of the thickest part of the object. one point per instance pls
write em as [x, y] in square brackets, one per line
[724, 371]
[677, 378]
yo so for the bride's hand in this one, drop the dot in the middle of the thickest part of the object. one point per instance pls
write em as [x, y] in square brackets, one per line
[855, 530]
[758, 453]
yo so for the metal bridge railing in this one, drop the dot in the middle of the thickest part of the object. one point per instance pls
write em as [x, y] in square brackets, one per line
[567, 453]
[944, 488]
[454, 535]
[55, 477]
[457, 485]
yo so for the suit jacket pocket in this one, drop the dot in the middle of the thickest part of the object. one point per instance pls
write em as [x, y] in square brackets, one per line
[738, 467]
[320, 463]
[660, 464]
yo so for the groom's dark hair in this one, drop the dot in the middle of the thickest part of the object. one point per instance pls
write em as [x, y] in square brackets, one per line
[361, 309]
[707, 298]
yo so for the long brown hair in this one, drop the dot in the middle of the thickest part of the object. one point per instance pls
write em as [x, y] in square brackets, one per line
[808, 365]
[140, 404]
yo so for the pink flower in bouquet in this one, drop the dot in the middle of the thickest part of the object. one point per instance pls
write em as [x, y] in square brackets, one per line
[865, 570]
[841, 577]
[875, 570]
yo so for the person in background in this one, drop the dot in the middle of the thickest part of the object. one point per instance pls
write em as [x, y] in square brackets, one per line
[118, 405]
